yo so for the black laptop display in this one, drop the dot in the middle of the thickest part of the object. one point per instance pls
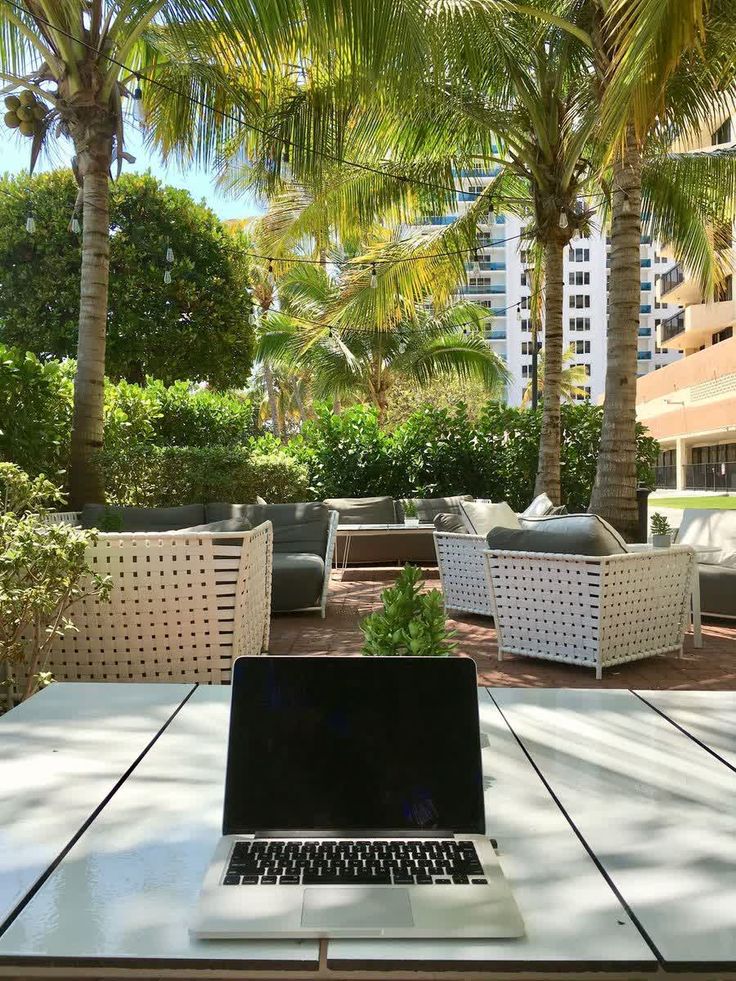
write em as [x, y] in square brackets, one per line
[356, 744]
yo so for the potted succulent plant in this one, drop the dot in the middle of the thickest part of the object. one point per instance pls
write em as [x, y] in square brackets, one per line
[661, 531]
[411, 518]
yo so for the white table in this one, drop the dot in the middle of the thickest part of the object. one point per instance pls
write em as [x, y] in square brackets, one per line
[582, 788]
[348, 532]
[695, 587]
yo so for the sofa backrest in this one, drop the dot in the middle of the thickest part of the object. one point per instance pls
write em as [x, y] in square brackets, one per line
[363, 510]
[716, 527]
[113, 517]
[429, 507]
[569, 534]
[296, 527]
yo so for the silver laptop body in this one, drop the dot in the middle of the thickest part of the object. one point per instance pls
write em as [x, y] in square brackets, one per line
[354, 805]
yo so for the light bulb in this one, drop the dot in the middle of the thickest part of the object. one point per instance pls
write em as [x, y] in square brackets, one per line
[30, 224]
[271, 278]
[167, 276]
[74, 227]
[169, 254]
[402, 348]
[253, 318]
[626, 207]
[563, 219]
[518, 312]
[489, 217]
[374, 277]
[476, 262]
[138, 111]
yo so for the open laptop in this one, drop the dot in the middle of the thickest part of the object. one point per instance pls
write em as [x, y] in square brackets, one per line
[354, 805]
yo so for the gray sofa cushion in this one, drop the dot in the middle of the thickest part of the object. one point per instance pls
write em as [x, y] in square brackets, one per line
[363, 510]
[297, 581]
[450, 522]
[116, 518]
[568, 534]
[222, 511]
[296, 527]
[429, 507]
[717, 589]
[540, 506]
[226, 524]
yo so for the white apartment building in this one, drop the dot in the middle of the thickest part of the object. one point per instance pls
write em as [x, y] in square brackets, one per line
[501, 286]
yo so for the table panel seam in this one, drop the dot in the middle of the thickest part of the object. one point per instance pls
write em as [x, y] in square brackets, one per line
[594, 858]
[44, 877]
[683, 730]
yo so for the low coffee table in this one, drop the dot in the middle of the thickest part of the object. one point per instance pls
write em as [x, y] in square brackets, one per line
[348, 532]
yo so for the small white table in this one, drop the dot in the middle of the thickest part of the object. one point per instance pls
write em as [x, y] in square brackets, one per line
[348, 532]
[695, 585]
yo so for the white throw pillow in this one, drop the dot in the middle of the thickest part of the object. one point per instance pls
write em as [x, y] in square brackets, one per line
[480, 517]
[540, 506]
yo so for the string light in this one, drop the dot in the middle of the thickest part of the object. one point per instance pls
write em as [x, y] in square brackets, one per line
[169, 255]
[563, 219]
[271, 277]
[374, 277]
[476, 262]
[167, 276]
[138, 111]
[253, 316]
[30, 225]
[74, 227]
[626, 206]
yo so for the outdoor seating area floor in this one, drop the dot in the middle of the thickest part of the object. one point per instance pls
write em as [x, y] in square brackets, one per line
[356, 592]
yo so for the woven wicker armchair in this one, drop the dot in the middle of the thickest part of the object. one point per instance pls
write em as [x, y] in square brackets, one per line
[463, 572]
[182, 607]
[591, 611]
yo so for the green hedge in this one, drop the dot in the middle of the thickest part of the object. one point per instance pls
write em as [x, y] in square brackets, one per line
[162, 476]
[438, 452]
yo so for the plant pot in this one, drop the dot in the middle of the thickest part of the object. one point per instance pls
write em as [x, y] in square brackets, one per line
[661, 541]
[411, 522]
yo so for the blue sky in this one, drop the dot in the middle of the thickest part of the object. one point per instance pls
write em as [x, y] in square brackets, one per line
[15, 150]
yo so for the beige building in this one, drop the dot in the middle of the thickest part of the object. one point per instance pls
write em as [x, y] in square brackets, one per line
[690, 405]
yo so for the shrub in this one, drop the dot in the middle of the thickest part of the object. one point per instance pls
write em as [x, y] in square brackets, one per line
[35, 411]
[164, 476]
[43, 572]
[411, 622]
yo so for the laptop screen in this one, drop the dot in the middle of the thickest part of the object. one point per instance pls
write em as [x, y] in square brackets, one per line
[354, 744]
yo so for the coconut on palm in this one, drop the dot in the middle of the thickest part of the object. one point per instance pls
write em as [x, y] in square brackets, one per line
[12, 102]
[11, 120]
[27, 98]
[27, 129]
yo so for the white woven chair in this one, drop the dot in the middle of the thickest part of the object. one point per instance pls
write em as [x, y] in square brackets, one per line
[329, 558]
[182, 607]
[463, 572]
[591, 611]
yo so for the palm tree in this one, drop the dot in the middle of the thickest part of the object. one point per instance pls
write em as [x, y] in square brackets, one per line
[364, 362]
[572, 378]
[67, 62]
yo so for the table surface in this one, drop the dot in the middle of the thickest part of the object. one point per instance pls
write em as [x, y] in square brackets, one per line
[367, 528]
[613, 812]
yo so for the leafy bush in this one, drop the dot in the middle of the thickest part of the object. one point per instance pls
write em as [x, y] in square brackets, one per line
[35, 411]
[43, 572]
[411, 622]
[439, 452]
[163, 476]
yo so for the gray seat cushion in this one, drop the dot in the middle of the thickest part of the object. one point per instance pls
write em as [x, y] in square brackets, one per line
[429, 507]
[297, 581]
[568, 534]
[450, 522]
[117, 518]
[363, 510]
[226, 524]
[717, 589]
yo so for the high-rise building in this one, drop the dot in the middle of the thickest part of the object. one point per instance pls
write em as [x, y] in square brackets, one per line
[501, 284]
[690, 406]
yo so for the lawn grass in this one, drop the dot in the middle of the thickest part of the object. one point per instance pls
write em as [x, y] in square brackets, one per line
[724, 503]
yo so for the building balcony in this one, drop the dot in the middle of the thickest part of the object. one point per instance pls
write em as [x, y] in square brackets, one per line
[694, 327]
[643, 355]
[677, 286]
[665, 478]
[710, 476]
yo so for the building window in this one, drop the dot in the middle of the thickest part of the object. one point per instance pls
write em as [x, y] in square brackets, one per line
[585, 396]
[526, 370]
[579, 255]
[582, 347]
[579, 278]
[527, 347]
[723, 133]
[579, 323]
[722, 335]
[526, 279]
[580, 301]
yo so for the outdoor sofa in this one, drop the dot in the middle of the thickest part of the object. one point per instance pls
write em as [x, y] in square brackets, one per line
[303, 537]
[716, 570]
[392, 546]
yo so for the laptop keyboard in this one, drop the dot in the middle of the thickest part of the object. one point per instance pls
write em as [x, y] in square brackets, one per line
[337, 862]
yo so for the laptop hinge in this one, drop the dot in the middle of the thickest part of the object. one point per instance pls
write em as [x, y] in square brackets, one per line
[337, 833]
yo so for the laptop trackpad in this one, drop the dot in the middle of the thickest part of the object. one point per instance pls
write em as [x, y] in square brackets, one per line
[356, 906]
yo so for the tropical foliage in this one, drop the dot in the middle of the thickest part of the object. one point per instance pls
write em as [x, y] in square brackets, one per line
[196, 326]
[573, 378]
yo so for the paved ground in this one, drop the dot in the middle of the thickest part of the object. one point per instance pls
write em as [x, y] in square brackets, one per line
[356, 592]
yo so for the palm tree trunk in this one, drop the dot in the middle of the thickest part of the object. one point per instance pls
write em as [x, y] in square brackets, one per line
[548, 470]
[614, 490]
[273, 407]
[85, 479]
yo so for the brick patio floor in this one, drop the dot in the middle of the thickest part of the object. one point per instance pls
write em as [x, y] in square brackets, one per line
[356, 592]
